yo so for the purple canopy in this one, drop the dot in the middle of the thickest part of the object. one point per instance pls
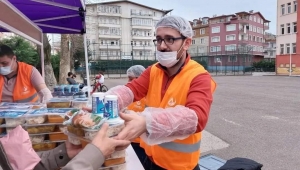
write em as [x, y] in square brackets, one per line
[54, 16]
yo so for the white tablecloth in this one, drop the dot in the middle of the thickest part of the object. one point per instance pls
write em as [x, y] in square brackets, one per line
[132, 161]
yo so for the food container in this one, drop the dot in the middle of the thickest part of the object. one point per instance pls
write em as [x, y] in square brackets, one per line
[62, 128]
[74, 141]
[43, 146]
[14, 121]
[55, 119]
[58, 104]
[115, 167]
[33, 120]
[57, 137]
[78, 104]
[111, 162]
[83, 143]
[113, 130]
[40, 129]
[75, 130]
[37, 139]
[117, 154]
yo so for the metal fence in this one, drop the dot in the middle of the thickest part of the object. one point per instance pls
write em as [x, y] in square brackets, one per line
[114, 60]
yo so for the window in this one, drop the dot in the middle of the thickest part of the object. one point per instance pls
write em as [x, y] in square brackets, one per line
[232, 58]
[289, 8]
[294, 47]
[282, 9]
[295, 6]
[205, 21]
[288, 28]
[231, 47]
[250, 28]
[202, 31]
[287, 48]
[254, 18]
[258, 30]
[258, 20]
[295, 26]
[250, 18]
[261, 39]
[109, 9]
[231, 27]
[215, 29]
[282, 29]
[281, 48]
[193, 41]
[217, 59]
[141, 21]
[215, 39]
[254, 28]
[201, 40]
[215, 49]
[250, 37]
[230, 37]
[194, 32]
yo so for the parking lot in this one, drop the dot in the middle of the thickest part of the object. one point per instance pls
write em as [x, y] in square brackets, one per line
[254, 117]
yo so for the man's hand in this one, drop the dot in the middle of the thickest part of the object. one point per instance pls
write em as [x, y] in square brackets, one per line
[72, 150]
[108, 145]
[135, 126]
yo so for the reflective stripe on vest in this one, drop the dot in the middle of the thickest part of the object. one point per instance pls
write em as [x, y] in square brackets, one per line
[180, 147]
[29, 99]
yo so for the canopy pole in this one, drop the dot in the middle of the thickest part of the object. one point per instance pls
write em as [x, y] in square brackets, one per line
[87, 66]
[43, 57]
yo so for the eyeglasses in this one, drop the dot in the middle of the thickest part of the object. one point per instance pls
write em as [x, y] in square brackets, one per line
[167, 40]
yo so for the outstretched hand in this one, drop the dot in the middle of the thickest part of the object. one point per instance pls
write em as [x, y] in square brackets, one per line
[135, 125]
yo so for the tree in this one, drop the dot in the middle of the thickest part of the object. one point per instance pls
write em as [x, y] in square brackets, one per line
[76, 47]
[23, 49]
[50, 79]
[64, 67]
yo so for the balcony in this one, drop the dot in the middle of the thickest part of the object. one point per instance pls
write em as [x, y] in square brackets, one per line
[266, 26]
[138, 14]
[109, 46]
[243, 20]
[109, 25]
[143, 47]
[109, 36]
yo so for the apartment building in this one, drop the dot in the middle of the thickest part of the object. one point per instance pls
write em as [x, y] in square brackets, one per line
[200, 40]
[122, 29]
[237, 34]
[270, 47]
[287, 38]
[234, 40]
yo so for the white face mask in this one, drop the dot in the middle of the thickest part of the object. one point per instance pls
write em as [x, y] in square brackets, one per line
[6, 70]
[168, 59]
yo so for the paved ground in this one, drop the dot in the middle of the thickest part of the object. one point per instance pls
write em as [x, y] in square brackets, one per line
[253, 117]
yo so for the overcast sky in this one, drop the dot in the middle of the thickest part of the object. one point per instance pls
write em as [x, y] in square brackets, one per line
[192, 9]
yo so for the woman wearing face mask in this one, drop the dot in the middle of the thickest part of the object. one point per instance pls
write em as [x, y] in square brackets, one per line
[178, 94]
[20, 82]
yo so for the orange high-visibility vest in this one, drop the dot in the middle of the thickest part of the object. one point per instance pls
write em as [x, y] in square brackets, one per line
[137, 106]
[178, 154]
[23, 90]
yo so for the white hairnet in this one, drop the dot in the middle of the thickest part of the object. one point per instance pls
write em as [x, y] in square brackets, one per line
[135, 71]
[178, 23]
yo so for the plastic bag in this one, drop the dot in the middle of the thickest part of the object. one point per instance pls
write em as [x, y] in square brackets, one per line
[19, 151]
